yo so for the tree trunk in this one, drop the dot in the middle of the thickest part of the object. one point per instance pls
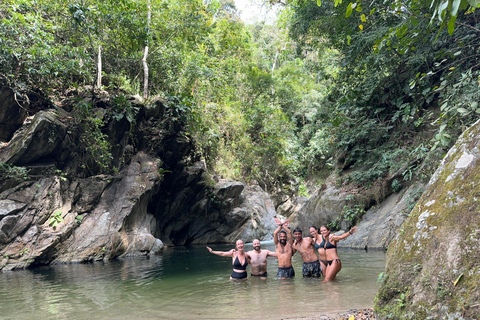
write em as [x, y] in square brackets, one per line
[145, 73]
[99, 67]
[145, 54]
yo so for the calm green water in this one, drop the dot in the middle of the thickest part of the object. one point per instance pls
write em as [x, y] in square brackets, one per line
[184, 283]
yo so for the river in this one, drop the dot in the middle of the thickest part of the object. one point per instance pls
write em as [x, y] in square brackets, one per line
[185, 283]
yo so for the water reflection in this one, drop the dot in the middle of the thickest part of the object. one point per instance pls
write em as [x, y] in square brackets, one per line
[184, 283]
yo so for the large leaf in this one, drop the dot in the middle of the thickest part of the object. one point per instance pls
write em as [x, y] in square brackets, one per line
[349, 10]
[451, 25]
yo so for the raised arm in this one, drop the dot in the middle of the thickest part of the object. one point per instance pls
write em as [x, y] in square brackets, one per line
[275, 234]
[281, 225]
[343, 236]
[289, 233]
[222, 253]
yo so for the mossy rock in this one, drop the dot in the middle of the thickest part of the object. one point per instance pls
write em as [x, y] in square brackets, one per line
[433, 266]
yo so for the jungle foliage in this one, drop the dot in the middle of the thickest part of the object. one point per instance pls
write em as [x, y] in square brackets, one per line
[373, 87]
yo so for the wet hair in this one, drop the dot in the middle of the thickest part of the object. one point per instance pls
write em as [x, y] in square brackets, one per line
[316, 229]
[282, 231]
[325, 227]
[297, 230]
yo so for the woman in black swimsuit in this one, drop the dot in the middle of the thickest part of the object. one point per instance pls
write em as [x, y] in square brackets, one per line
[239, 260]
[326, 244]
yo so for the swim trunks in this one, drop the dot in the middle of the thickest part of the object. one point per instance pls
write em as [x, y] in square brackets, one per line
[312, 269]
[285, 272]
[259, 275]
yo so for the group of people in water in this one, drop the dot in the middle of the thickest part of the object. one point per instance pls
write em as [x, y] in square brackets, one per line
[326, 264]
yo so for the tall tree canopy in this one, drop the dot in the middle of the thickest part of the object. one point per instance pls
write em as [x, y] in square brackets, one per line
[375, 86]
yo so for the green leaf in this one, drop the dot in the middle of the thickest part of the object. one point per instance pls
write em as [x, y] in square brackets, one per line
[474, 3]
[349, 10]
[349, 39]
[451, 25]
[319, 3]
[363, 18]
[458, 279]
[462, 110]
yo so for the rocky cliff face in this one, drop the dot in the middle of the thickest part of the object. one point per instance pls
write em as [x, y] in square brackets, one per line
[433, 266]
[64, 210]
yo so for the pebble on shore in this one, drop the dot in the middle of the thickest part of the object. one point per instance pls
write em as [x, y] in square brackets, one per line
[354, 314]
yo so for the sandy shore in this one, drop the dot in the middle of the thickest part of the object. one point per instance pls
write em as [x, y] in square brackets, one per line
[354, 314]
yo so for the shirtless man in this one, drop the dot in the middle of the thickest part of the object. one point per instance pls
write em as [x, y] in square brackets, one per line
[306, 246]
[258, 259]
[282, 237]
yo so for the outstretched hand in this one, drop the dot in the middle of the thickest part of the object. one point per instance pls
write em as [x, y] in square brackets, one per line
[209, 249]
[353, 230]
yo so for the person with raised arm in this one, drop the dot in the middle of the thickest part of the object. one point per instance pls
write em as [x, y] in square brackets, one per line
[239, 260]
[326, 244]
[282, 238]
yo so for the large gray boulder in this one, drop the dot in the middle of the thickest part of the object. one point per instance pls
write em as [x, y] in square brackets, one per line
[36, 142]
[381, 223]
[320, 209]
[433, 265]
[55, 220]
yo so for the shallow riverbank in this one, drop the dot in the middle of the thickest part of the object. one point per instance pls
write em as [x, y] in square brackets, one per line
[358, 314]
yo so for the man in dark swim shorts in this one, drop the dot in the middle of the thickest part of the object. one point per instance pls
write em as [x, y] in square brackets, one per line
[306, 246]
[282, 237]
[284, 273]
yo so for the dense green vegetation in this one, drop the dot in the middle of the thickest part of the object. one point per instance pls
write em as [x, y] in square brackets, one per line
[364, 89]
